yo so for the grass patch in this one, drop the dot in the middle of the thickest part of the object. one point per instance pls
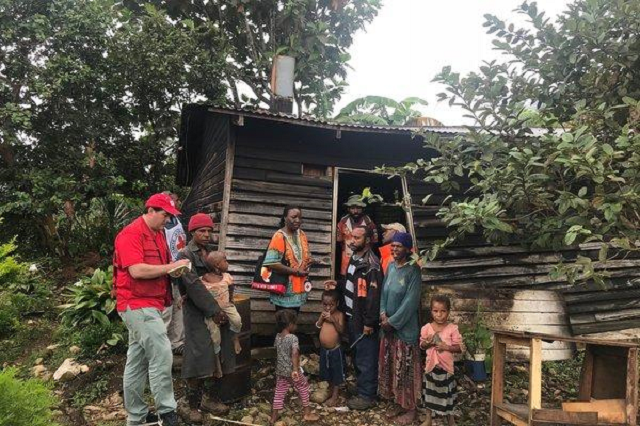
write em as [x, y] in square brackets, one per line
[93, 392]
[23, 342]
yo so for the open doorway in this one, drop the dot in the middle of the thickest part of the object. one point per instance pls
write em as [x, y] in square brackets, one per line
[392, 189]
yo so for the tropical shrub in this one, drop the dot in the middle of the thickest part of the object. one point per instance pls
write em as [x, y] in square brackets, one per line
[38, 302]
[576, 180]
[476, 335]
[21, 291]
[13, 273]
[380, 111]
[90, 301]
[24, 402]
[94, 228]
[98, 337]
[91, 307]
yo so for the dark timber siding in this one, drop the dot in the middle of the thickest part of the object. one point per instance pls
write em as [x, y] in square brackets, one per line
[264, 181]
[267, 174]
[208, 178]
[473, 264]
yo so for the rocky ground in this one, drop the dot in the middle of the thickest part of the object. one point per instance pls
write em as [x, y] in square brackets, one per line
[90, 391]
[473, 398]
[257, 407]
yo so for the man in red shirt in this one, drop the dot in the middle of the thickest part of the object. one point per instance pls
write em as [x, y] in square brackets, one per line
[141, 265]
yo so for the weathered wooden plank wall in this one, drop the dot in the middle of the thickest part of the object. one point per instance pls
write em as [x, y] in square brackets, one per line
[267, 175]
[473, 264]
[593, 309]
[208, 182]
[261, 187]
[537, 311]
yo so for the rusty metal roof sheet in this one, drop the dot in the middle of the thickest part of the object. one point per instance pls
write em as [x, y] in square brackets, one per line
[316, 122]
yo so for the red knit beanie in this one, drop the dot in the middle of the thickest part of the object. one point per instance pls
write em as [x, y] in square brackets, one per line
[200, 220]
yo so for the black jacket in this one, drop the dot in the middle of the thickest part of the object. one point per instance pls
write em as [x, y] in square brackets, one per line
[366, 310]
[199, 360]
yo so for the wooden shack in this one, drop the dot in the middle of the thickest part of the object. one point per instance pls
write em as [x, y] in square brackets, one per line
[245, 166]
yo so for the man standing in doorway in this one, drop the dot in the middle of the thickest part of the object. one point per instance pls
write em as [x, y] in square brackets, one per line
[360, 295]
[172, 316]
[347, 224]
[141, 263]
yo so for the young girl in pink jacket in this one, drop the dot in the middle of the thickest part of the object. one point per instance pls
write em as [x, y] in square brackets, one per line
[441, 340]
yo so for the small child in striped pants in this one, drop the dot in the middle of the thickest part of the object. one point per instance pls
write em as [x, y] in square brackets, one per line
[288, 370]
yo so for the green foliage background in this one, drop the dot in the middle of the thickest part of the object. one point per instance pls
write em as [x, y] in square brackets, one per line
[576, 180]
[91, 92]
[24, 402]
[380, 111]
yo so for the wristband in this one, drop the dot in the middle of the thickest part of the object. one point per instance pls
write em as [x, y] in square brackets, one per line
[318, 326]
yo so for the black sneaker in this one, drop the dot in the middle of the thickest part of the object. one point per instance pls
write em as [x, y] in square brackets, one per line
[151, 419]
[169, 419]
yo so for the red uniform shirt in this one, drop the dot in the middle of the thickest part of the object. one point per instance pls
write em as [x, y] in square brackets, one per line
[137, 243]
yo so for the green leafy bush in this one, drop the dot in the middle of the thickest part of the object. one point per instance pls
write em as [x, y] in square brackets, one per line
[97, 337]
[19, 293]
[90, 300]
[24, 402]
[91, 307]
[477, 337]
[10, 268]
[37, 302]
[14, 275]
[573, 182]
[95, 226]
[8, 317]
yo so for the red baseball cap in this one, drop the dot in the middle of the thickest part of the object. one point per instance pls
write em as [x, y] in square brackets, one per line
[164, 202]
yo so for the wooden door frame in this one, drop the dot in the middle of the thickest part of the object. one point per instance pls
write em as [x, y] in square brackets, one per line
[226, 191]
[334, 222]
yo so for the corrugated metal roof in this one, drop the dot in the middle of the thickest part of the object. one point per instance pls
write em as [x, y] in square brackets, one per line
[316, 122]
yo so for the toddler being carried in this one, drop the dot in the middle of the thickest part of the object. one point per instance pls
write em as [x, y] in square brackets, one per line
[218, 282]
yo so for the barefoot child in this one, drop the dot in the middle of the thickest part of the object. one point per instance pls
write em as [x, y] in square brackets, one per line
[331, 325]
[441, 340]
[288, 366]
[218, 282]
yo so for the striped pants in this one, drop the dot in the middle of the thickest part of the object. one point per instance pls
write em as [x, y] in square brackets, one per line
[282, 387]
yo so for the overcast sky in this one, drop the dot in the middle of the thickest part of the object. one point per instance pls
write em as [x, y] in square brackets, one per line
[410, 41]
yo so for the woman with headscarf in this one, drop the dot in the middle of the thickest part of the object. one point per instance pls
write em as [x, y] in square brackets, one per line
[288, 254]
[399, 377]
[200, 362]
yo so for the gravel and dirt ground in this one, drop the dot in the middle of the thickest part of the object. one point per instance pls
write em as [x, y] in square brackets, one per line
[105, 409]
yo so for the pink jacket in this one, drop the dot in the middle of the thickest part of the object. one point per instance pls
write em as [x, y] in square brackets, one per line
[449, 335]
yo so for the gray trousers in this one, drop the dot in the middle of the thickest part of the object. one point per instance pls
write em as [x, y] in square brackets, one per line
[148, 357]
